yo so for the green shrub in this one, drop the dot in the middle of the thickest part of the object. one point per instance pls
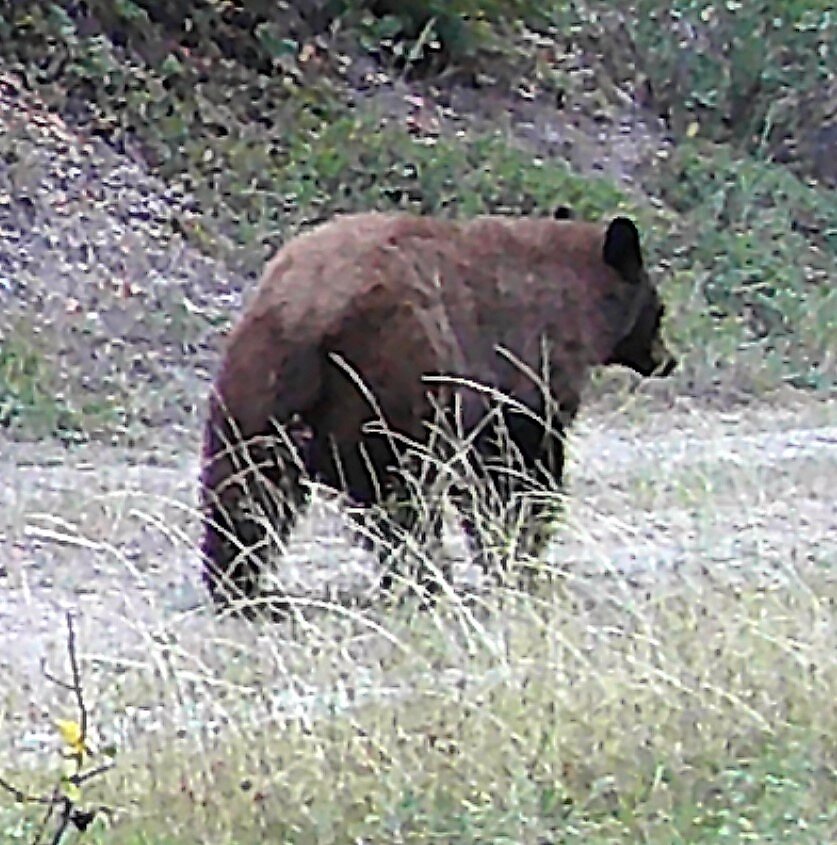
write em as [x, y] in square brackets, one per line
[741, 71]
[760, 246]
[362, 162]
[432, 34]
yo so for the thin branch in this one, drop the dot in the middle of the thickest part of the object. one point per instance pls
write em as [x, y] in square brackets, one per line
[66, 685]
[59, 805]
[66, 817]
[83, 777]
[53, 801]
[23, 797]
[71, 649]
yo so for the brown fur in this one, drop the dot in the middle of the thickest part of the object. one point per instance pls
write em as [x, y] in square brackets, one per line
[395, 299]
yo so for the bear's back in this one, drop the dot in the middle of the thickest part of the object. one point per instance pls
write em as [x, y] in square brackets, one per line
[473, 268]
[315, 277]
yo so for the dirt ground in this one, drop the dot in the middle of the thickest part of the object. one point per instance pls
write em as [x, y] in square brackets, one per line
[110, 534]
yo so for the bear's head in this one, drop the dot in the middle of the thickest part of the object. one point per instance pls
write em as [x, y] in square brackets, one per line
[641, 347]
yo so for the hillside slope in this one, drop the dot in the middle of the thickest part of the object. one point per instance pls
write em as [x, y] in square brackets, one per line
[154, 156]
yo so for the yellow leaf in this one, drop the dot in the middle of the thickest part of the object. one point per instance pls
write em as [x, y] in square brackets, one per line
[692, 129]
[72, 737]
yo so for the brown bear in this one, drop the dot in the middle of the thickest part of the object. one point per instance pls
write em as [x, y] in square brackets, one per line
[373, 333]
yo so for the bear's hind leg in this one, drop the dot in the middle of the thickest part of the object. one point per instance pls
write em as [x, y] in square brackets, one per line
[248, 515]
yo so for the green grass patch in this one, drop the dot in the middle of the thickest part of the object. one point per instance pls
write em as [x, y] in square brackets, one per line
[700, 715]
[35, 399]
[362, 161]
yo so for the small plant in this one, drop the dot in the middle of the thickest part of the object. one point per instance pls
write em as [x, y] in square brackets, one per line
[64, 807]
[33, 399]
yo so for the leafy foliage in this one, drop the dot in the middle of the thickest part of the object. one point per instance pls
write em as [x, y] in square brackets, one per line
[760, 74]
[761, 246]
[422, 35]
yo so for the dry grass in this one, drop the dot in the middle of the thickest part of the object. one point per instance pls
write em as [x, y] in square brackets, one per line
[674, 683]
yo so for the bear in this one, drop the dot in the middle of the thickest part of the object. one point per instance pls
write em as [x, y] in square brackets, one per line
[373, 334]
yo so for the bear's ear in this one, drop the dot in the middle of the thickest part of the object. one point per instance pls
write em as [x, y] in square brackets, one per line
[621, 248]
[563, 212]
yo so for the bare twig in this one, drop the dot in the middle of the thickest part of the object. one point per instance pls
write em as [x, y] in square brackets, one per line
[74, 667]
[66, 818]
[83, 777]
[52, 802]
[23, 797]
[65, 685]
